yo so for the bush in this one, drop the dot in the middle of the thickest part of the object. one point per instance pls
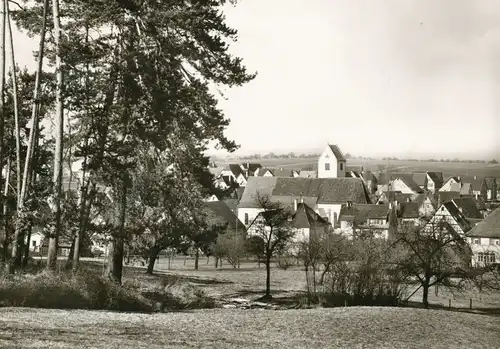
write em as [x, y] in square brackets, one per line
[66, 291]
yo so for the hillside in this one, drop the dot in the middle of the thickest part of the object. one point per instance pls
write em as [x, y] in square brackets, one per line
[357, 327]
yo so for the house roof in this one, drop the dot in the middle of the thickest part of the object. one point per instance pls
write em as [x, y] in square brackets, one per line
[420, 198]
[465, 188]
[262, 171]
[279, 172]
[235, 169]
[468, 207]
[360, 213]
[408, 210]
[232, 204]
[420, 178]
[353, 174]
[437, 178]
[489, 227]
[447, 196]
[220, 213]
[321, 190]
[491, 182]
[305, 217]
[396, 196]
[458, 216]
[336, 151]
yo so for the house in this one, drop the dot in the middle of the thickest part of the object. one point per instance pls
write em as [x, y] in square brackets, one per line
[426, 205]
[389, 196]
[491, 188]
[36, 240]
[249, 168]
[407, 212]
[280, 172]
[478, 186]
[222, 183]
[307, 174]
[303, 221]
[331, 163]
[355, 219]
[451, 184]
[404, 183]
[219, 213]
[469, 207]
[420, 178]
[211, 198]
[241, 179]
[434, 181]
[484, 240]
[450, 213]
[324, 195]
[231, 172]
[447, 196]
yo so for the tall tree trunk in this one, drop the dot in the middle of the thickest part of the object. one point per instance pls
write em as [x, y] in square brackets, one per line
[18, 235]
[54, 235]
[2, 105]
[196, 258]
[425, 292]
[26, 255]
[69, 259]
[6, 241]
[28, 165]
[116, 249]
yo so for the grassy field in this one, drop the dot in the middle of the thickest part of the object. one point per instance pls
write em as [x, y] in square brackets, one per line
[448, 168]
[357, 327]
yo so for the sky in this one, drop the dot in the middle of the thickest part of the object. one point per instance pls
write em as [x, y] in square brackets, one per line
[414, 78]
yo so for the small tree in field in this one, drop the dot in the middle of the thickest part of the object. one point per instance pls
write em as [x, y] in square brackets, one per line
[310, 253]
[272, 225]
[232, 246]
[434, 254]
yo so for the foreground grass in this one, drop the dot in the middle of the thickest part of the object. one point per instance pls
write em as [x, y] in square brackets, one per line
[356, 327]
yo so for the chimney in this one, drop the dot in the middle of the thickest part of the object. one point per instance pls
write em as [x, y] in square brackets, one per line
[294, 205]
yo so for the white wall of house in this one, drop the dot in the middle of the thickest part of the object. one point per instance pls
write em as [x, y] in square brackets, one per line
[332, 211]
[241, 180]
[247, 215]
[399, 185]
[267, 174]
[485, 250]
[442, 213]
[431, 186]
[448, 184]
[329, 166]
[426, 208]
[36, 240]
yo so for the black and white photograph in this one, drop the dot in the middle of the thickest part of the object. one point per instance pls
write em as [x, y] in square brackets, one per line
[250, 174]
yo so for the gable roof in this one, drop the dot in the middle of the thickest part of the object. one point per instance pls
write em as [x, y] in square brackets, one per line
[235, 169]
[420, 178]
[458, 216]
[489, 227]
[320, 190]
[336, 151]
[491, 182]
[437, 178]
[360, 213]
[468, 207]
[305, 217]
[220, 213]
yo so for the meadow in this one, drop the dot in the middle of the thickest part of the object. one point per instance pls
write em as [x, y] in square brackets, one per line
[448, 168]
[342, 327]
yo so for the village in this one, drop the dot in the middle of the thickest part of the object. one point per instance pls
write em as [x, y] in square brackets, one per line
[351, 200]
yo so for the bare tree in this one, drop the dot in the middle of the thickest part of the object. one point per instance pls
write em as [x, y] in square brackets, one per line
[272, 225]
[232, 246]
[432, 254]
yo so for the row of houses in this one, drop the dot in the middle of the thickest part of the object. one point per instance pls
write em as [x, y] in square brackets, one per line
[350, 200]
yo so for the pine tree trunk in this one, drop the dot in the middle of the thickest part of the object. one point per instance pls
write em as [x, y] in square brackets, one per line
[116, 250]
[15, 259]
[2, 106]
[54, 235]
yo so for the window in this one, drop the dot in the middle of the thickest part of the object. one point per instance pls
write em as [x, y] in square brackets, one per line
[476, 241]
[497, 242]
[33, 243]
[486, 257]
[341, 166]
[246, 218]
[327, 166]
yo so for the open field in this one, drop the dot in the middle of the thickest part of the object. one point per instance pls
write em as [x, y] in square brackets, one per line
[448, 168]
[356, 327]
